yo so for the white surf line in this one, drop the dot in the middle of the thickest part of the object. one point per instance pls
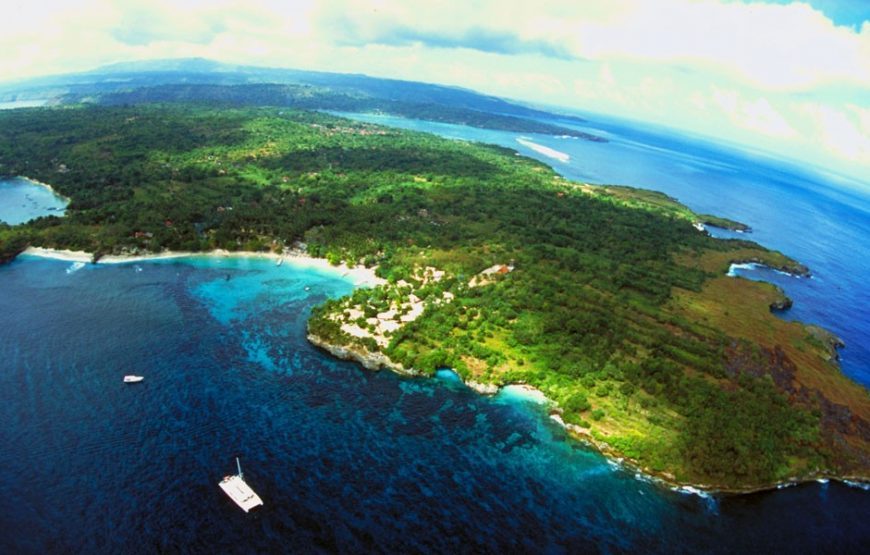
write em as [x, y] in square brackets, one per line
[732, 269]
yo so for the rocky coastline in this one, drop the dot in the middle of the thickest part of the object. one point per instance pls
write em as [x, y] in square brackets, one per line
[792, 268]
[781, 304]
[724, 223]
[378, 361]
[362, 356]
[832, 342]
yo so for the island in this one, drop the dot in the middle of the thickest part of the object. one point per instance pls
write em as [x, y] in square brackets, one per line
[313, 97]
[609, 300]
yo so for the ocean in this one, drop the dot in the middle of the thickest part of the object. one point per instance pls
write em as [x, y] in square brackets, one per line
[356, 461]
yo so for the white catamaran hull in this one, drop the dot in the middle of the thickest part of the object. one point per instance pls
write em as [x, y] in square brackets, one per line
[240, 492]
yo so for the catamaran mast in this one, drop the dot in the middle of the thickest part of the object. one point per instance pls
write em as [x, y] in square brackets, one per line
[239, 466]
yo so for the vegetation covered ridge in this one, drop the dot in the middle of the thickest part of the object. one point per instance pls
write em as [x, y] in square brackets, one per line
[609, 300]
[309, 97]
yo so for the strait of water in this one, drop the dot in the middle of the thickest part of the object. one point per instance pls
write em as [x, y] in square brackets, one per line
[22, 200]
[344, 459]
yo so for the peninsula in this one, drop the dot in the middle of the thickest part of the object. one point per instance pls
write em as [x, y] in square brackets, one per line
[612, 301]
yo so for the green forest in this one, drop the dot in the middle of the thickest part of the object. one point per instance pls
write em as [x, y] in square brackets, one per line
[608, 299]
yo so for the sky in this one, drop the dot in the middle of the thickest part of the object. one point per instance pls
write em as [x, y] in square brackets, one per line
[787, 77]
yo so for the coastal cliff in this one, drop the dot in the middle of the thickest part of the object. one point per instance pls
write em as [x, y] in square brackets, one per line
[367, 359]
[11, 246]
[376, 361]
[799, 360]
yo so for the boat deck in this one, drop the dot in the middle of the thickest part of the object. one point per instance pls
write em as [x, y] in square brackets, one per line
[240, 492]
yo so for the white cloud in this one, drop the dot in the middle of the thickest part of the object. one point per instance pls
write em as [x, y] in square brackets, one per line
[782, 77]
[777, 47]
[752, 115]
[844, 132]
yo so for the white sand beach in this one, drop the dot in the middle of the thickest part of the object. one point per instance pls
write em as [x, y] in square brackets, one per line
[525, 393]
[358, 275]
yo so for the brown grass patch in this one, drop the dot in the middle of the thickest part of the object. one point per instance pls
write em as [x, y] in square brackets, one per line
[740, 308]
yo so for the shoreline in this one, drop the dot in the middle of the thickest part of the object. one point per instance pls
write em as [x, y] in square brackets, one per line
[752, 264]
[362, 276]
[667, 480]
[358, 275]
[377, 361]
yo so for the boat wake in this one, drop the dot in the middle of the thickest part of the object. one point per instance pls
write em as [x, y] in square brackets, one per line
[75, 267]
[855, 484]
[545, 150]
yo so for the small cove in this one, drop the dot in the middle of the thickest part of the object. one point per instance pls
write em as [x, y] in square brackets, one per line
[22, 200]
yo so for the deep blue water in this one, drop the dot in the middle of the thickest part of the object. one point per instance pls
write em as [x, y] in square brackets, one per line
[345, 459]
[22, 200]
[819, 219]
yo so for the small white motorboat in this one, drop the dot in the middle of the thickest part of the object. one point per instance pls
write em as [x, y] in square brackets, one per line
[130, 378]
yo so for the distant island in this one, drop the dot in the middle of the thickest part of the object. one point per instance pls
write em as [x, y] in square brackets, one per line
[609, 300]
[208, 82]
[307, 97]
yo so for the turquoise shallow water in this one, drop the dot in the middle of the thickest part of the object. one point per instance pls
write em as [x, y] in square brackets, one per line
[22, 200]
[345, 459]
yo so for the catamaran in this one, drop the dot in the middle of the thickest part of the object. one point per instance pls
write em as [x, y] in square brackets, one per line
[239, 491]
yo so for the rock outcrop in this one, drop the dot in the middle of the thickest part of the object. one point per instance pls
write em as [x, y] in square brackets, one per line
[368, 359]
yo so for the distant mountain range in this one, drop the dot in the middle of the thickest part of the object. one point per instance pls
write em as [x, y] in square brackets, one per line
[209, 81]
